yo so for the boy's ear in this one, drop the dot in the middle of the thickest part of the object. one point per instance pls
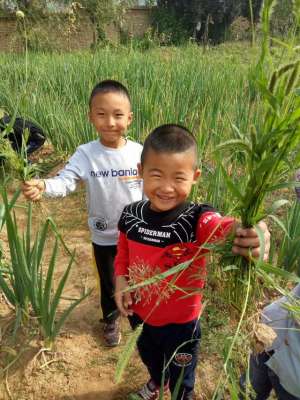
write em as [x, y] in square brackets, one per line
[140, 169]
[197, 174]
[90, 116]
[130, 118]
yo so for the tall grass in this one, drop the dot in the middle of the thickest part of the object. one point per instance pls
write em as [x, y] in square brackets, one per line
[179, 85]
[289, 251]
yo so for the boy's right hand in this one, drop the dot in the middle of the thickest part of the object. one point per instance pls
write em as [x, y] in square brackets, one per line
[123, 299]
[33, 189]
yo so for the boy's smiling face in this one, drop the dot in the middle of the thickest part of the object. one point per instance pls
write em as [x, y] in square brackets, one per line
[168, 178]
[111, 115]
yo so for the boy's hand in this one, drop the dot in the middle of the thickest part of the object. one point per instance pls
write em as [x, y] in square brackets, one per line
[246, 242]
[123, 299]
[33, 189]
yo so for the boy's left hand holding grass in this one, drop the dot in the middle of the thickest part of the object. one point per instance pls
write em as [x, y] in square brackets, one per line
[33, 189]
[246, 242]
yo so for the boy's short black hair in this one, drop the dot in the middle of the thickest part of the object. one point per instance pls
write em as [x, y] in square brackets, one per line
[169, 138]
[108, 86]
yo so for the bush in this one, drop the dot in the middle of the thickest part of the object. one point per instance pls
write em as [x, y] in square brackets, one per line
[240, 29]
[168, 27]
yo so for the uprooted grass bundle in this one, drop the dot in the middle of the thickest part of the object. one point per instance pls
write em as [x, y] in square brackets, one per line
[267, 149]
[267, 152]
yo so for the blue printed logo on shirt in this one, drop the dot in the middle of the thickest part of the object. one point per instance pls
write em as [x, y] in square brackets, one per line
[114, 173]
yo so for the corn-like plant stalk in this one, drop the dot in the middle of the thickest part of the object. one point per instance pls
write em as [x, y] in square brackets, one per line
[267, 149]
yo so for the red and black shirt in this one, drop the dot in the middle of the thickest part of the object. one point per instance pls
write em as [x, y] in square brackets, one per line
[152, 242]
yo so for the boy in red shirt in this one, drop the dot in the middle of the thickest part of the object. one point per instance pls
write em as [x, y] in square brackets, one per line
[156, 235]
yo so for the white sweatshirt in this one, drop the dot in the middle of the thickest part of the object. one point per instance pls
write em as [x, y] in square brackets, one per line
[111, 179]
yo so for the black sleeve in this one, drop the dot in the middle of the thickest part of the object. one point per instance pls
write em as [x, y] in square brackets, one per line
[121, 223]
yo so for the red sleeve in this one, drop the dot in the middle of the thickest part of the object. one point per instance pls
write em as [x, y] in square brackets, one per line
[213, 227]
[122, 257]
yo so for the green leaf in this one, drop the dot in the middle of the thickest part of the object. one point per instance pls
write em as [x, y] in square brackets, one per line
[282, 185]
[66, 313]
[279, 272]
[28, 231]
[231, 185]
[279, 223]
[295, 116]
[57, 295]
[42, 241]
[262, 243]
[55, 230]
[281, 43]
[10, 204]
[276, 205]
[272, 100]
[236, 130]
[33, 287]
[178, 384]
[235, 145]
[9, 293]
[127, 352]
[45, 306]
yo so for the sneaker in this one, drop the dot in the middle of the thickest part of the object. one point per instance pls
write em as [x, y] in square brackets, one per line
[111, 333]
[148, 392]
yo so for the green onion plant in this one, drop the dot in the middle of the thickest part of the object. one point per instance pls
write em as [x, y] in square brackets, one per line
[28, 285]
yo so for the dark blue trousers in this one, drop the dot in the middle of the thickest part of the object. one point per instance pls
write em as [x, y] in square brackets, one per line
[175, 346]
[263, 380]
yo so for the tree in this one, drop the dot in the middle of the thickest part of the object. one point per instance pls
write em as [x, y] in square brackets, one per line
[105, 12]
[282, 18]
[214, 15]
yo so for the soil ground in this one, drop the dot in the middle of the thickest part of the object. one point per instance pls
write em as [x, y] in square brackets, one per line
[81, 367]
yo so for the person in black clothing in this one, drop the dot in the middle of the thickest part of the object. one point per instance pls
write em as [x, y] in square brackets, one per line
[36, 136]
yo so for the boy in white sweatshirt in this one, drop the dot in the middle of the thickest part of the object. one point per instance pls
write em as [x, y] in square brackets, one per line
[108, 167]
